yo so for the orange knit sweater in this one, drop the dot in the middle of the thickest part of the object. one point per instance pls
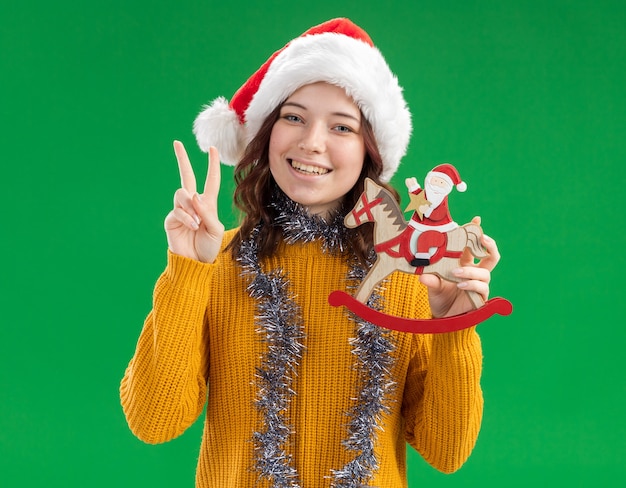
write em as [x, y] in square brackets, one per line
[199, 344]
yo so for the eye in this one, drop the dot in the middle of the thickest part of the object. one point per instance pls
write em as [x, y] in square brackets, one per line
[292, 118]
[343, 129]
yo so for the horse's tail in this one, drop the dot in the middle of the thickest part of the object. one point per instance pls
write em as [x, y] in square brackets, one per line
[474, 233]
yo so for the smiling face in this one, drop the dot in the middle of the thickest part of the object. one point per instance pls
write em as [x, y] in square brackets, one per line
[316, 149]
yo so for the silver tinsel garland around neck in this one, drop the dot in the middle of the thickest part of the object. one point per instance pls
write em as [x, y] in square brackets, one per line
[280, 325]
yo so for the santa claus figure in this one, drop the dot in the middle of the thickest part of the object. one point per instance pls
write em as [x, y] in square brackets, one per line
[431, 219]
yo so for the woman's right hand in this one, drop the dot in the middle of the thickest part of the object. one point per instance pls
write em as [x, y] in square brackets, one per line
[193, 227]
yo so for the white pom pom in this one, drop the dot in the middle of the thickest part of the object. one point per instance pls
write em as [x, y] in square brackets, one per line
[461, 186]
[218, 125]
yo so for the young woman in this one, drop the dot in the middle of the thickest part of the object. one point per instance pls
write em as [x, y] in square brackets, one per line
[299, 393]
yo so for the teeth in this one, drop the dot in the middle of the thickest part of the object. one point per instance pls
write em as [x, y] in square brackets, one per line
[307, 168]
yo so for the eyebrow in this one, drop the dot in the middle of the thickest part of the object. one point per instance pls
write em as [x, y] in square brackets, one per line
[340, 114]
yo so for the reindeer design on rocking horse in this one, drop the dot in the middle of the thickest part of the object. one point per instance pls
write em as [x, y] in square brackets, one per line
[394, 239]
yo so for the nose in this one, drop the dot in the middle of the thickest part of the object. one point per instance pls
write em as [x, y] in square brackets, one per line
[313, 139]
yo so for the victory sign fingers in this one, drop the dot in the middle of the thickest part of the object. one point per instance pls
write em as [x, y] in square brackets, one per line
[193, 227]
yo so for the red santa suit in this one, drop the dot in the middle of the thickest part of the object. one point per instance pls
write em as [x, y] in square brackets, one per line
[430, 230]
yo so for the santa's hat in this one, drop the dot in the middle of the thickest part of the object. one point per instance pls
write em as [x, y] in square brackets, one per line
[337, 52]
[450, 174]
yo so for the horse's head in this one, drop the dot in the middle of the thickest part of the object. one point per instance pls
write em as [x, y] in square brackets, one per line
[362, 212]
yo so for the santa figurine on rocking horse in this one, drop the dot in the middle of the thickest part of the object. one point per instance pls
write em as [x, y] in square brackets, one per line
[431, 242]
[431, 219]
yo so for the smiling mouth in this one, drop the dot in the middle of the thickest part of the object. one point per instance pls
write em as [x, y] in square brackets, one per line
[308, 169]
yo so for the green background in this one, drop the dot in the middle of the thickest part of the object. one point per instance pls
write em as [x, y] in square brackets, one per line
[526, 98]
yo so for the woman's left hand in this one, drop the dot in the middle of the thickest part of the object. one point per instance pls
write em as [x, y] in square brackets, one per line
[448, 298]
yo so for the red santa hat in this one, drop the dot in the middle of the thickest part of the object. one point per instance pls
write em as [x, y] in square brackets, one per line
[337, 52]
[450, 174]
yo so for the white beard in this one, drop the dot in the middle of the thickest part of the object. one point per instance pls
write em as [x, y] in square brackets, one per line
[435, 196]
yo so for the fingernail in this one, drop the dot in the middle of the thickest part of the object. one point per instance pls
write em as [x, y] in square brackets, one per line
[462, 284]
[487, 238]
[457, 271]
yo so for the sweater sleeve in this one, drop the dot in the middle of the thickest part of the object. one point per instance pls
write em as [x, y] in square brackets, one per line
[443, 400]
[163, 390]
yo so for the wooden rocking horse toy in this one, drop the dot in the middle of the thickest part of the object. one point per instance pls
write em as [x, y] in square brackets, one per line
[394, 242]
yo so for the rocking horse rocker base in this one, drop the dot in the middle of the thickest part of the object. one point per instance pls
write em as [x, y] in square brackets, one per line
[497, 305]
